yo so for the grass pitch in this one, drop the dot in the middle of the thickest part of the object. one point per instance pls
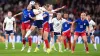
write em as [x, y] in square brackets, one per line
[79, 51]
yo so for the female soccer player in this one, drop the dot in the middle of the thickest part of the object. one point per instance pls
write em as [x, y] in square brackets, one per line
[27, 15]
[57, 26]
[92, 26]
[80, 30]
[51, 12]
[66, 31]
[9, 27]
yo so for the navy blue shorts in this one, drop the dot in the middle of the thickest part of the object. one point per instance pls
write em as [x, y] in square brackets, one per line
[90, 34]
[9, 32]
[38, 23]
[51, 27]
[57, 33]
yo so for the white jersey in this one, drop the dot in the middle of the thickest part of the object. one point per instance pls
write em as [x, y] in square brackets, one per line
[91, 24]
[39, 16]
[57, 24]
[9, 23]
[51, 16]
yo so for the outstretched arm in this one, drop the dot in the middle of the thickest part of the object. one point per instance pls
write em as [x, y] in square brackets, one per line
[59, 8]
[18, 14]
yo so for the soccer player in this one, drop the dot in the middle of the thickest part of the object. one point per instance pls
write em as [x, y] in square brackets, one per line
[66, 31]
[9, 27]
[92, 26]
[37, 23]
[51, 12]
[46, 30]
[80, 30]
[57, 26]
[27, 15]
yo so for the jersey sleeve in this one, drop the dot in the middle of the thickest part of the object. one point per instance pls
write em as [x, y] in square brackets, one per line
[93, 23]
[13, 18]
[5, 20]
[63, 20]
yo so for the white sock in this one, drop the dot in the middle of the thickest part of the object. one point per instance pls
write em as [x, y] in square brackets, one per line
[60, 46]
[44, 46]
[84, 47]
[28, 33]
[39, 39]
[13, 43]
[95, 45]
[51, 43]
[6, 43]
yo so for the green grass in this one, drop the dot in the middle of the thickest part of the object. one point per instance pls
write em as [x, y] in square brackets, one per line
[78, 51]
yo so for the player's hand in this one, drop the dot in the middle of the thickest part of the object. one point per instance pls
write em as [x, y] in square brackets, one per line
[63, 7]
[14, 16]
[30, 16]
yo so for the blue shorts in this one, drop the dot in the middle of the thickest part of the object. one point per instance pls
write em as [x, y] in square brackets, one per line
[57, 33]
[51, 27]
[9, 32]
[38, 23]
[90, 34]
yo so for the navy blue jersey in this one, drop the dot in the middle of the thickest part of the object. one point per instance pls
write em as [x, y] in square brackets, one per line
[81, 25]
[46, 19]
[66, 26]
[25, 16]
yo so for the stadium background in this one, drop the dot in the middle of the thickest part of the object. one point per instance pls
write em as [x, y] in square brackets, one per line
[73, 7]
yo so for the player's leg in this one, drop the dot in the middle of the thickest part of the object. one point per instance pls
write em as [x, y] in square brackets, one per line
[52, 42]
[13, 43]
[23, 31]
[84, 37]
[46, 31]
[29, 31]
[40, 33]
[23, 40]
[69, 39]
[29, 37]
[60, 43]
[64, 40]
[93, 41]
[74, 42]
[6, 40]
[39, 38]
[45, 37]
[69, 42]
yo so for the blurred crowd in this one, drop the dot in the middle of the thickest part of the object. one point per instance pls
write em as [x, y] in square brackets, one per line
[73, 7]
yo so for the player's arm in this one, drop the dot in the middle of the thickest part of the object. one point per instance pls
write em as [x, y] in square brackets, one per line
[44, 15]
[14, 26]
[14, 23]
[4, 23]
[94, 25]
[59, 8]
[33, 18]
[88, 28]
[72, 27]
[18, 14]
[69, 22]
